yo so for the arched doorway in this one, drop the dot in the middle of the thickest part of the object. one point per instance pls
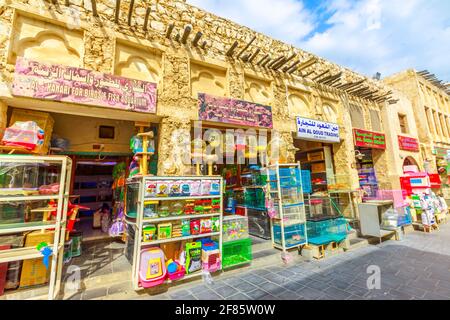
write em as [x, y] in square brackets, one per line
[410, 161]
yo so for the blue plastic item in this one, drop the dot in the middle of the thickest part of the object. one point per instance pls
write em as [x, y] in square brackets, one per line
[306, 181]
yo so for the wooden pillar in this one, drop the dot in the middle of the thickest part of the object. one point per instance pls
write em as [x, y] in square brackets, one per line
[3, 117]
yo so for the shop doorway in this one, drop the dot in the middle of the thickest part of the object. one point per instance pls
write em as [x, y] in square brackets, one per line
[366, 172]
[96, 190]
[409, 162]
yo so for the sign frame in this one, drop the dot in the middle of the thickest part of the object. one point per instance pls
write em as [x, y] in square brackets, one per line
[325, 132]
[49, 81]
[370, 144]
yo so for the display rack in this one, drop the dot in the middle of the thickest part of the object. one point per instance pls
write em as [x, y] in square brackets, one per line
[137, 198]
[289, 224]
[30, 193]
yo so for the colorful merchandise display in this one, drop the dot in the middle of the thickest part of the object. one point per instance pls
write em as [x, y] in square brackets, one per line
[181, 222]
[33, 218]
[289, 223]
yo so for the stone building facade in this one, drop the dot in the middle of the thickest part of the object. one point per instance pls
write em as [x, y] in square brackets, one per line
[144, 40]
[431, 106]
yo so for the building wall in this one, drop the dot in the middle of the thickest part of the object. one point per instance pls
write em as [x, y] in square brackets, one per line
[71, 35]
[431, 111]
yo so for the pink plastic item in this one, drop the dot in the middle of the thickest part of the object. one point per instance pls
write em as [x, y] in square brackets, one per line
[152, 271]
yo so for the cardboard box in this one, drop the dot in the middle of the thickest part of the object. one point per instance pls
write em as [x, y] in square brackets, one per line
[316, 156]
[318, 167]
[44, 121]
[33, 271]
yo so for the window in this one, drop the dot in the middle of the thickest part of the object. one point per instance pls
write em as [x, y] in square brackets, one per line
[403, 120]
[357, 116]
[429, 120]
[375, 120]
[106, 132]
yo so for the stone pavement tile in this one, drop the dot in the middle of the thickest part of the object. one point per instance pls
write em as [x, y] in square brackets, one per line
[343, 285]
[292, 286]
[232, 281]
[434, 296]
[245, 287]
[444, 284]
[207, 295]
[400, 295]
[226, 291]
[94, 293]
[309, 293]
[179, 294]
[445, 292]
[319, 285]
[278, 279]
[337, 293]
[239, 296]
[121, 287]
[287, 295]
[355, 297]
[440, 275]
[358, 291]
[255, 280]
[286, 273]
[273, 289]
[256, 294]
[269, 297]
[426, 284]
[414, 292]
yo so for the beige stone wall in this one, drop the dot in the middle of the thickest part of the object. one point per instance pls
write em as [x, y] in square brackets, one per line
[431, 109]
[181, 71]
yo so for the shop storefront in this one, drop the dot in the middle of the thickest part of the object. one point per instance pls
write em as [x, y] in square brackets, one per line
[89, 119]
[326, 224]
[367, 144]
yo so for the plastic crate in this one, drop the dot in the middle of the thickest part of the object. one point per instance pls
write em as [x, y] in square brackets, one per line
[236, 253]
[294, 235]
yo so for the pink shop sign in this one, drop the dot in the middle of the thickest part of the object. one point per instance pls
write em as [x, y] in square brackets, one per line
[70, 84]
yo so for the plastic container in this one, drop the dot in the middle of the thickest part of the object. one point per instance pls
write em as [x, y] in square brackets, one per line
[235, 228]
[77, 239]
[132, 200]
[235, 253]
[3, 270]
[177, 275]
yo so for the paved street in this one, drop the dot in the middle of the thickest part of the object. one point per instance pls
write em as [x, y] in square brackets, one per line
[415, 268]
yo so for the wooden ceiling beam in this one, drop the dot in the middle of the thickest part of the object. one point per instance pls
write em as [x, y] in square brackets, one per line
[130, 12]
[186, 33]
[117, 12]
[246, 47]
[254, 55]
[147, 15]
[291, 67]
[233, 47]
[197, 38]
[308, 63]
[170, 30]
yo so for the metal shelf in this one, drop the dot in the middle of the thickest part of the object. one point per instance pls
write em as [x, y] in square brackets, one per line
[182, 217]
[182, 198]
[28, 198]
[26, 226]
[205, 235]
[65, 165]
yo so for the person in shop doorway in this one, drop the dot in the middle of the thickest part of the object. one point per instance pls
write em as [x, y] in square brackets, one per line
[102, 218]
